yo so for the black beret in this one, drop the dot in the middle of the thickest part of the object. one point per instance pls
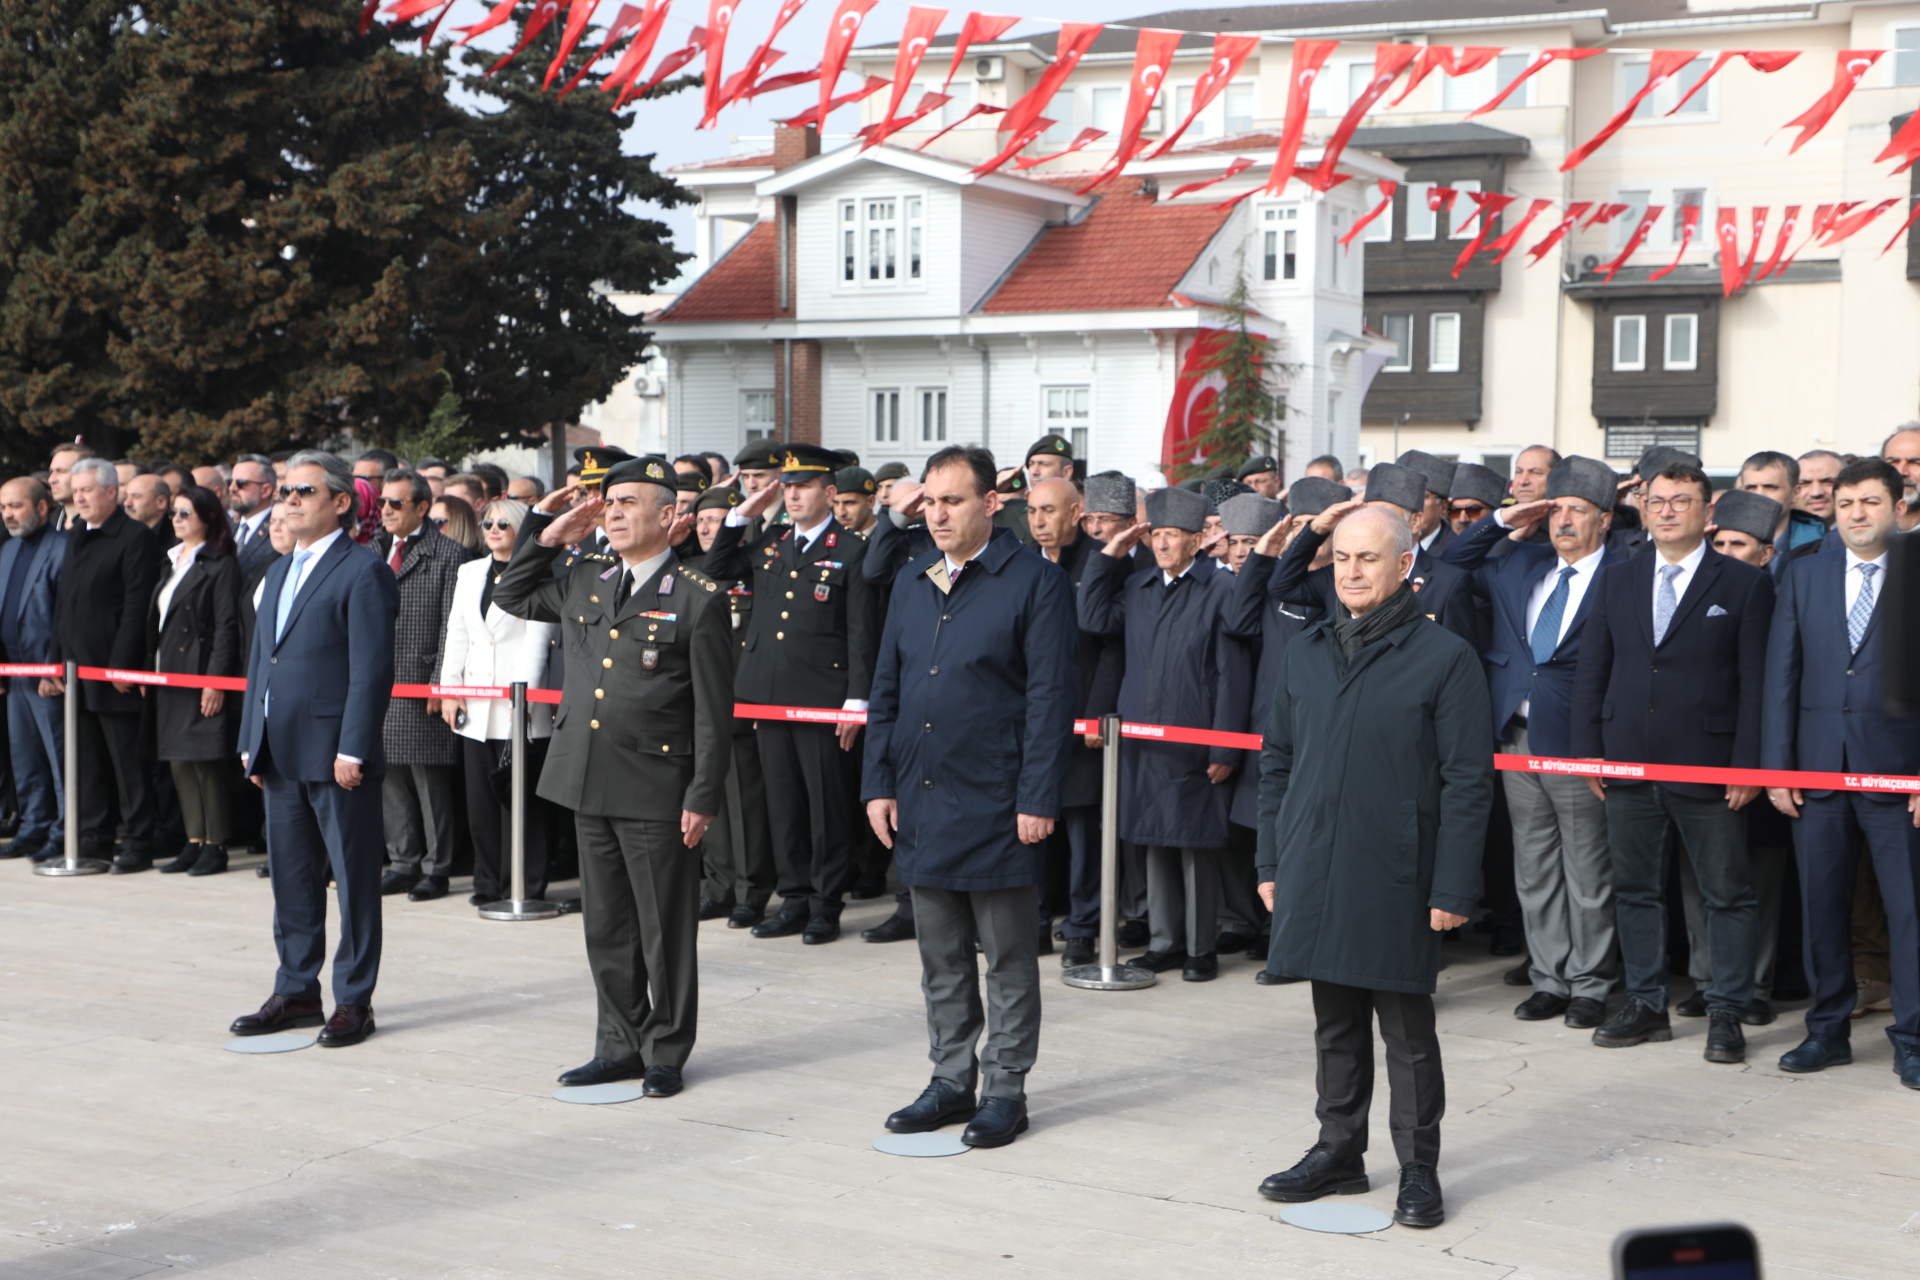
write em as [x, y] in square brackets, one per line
[724, 496]
[649, 470]
[855, 480]
[692, 482]
[1258, 466]
[1053, 446]
[761, 455]
[891, 471]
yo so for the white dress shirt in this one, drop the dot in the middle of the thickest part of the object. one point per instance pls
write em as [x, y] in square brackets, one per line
[182, 556]
[245, 531]
[1681, 579]
[641, 574]
[1168, 579]
[1583, 572]
[1855, 578]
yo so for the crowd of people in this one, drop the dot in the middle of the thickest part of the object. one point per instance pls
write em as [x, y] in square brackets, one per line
[1642, 618]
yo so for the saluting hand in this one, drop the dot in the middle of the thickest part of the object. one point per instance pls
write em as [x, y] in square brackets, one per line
[1333, 515]
[558, 500]
[760, 503]
[575, 524]
[1273, 539]
[1524, 517]
[907, 498]
[1126, 540]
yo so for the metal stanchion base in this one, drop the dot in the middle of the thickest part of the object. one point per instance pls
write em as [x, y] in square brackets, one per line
[508, 909]
[1121, 977]
[83, 867]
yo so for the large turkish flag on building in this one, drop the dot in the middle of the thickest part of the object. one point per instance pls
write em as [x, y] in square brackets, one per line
[1196, 391]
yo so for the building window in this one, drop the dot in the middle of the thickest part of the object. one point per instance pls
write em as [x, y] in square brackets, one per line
[886, 416]
[880, 240]
[1279, 243]
[1381, 228]
[1683, 342]
[1629, 344]
[1683, 199]
[1632, 77]
[1069, 412]
[1231, 112]
[933, 415]
[757, 415]
[1906, 55]
[1239, 106]
[1632, 437]
[1443, 342]
[1420, 218]
[1461, 211]
[1109, 108]
[1624, 222]
[1464, 93]
[1060, 111]
[1398, 326]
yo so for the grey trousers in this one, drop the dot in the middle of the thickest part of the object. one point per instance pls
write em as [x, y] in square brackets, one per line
[1183, 899]
[640, 896]
[1769, 874]
[1564, 876]
[946, 922]
[204, 799]
[416, 807]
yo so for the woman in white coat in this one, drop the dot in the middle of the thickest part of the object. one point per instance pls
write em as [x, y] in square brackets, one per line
[486, 646]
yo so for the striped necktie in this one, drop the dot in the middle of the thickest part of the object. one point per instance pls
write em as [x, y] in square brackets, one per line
[1546, 628]
[1862, 612]
[1665, 602]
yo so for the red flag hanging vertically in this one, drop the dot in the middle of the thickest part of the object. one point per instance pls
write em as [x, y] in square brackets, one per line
[981, 28]
[1905, 145]
[496, 16]
[1727, 231]
[626, 20]
[668, 65]
[1844, 228]
[922, 23]
[744, 81]
[1075, 38]
[977, 109]
[634, 60]
[833, 57]
[1308, 57]
[1487, 207]
[1152, 55]
[1823, 216]
[1640, 231]
[1664, 65]
[1442, 57]
[1546, 58]
[1759, 216]
[1848, 66]
[1789, 219]
[1239, 165]
[1689, 225]
[366, 15]
[1760, 60]
[1389, 60]
[1559, 232]
[1387, 187]
[719, 23]
[1229, 53]
[539, 20]
[577, 16]
[1915, 213]
[815, 116]
[1505, 244]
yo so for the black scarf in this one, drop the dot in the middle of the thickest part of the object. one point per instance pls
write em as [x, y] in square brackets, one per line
[1355, 634]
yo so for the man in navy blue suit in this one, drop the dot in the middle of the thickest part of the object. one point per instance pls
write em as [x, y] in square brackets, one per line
[1541, 597]
[1671, 664]
[319, 676]
[1825, 712]
[30, 565]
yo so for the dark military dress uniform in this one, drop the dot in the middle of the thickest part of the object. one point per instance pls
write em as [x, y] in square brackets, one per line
[643, 732]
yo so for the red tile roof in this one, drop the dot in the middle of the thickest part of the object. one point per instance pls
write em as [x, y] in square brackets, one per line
[762, 161]
[740, 286]
[1238, 142]
[1127, 253]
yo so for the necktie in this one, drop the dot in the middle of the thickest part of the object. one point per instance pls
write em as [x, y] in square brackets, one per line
[621, 592]
[1862, 611]
[1665, 602]
[287, 591]
[1546, 628]
[399, 554]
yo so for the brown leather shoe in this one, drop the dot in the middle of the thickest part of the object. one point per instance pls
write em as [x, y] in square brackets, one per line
[278, 1013]
[350, 1024]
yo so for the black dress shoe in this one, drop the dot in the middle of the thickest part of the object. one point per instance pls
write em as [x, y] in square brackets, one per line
[1132, 933]
[130, 863]
[661, 1081]
[478, 899]
[1726, 1042]
[1159, 961]
[784, 925]
[1507, 944]
[865, 887]
[1319, 1173]
[711, 910]
[429, 888]
[184, 862]
[49, 853]
[1694, 1006]
[276, 1014]
[1758, 1013]
[1200, 969]
[1584, 1012]
[1636, 1023]
[997, 1122]
[745, 917]
[1521, 975]
[1046, 938]
[22, 848]
[397, 882]
[601, 1071]
[1080, 951]
[1540, 1006]
[261, 871]
[213, 860]
[938, 1104]
[1257, 949]
[1267, 978]
[892, 929]
[819, 930]
[569, 906]
[1817, 1053]
[1231, 943]
[350, 1024]
[1906, 1065]
[1419, 1203]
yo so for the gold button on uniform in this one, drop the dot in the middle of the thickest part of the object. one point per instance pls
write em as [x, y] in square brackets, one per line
[783, 613]
[779, 635]
[613, 634]
[793, 573]
[599, 693]
[606, 662]
[666, 748]
[789, 595]
[593, 724]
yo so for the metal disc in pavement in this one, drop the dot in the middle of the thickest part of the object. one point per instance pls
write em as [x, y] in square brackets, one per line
[920, 1144]
[598, 1095]
[268, 1044]
[1342, 1219]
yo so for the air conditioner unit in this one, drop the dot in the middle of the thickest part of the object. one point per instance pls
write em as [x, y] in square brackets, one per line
[1154, 122]
[989, 68]
[648, 385]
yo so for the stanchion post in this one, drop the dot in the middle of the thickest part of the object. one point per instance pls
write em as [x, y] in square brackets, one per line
[1109, 974]
[518, 907]
[73, 864]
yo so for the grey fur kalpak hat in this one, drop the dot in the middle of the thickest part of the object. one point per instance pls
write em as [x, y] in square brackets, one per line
[1438, 471]
[1742, 511]
[1578, 477]
[1310, 495]
[1401, 485]
[1248, 515]
[1475, 483]
[1111, 493]
[1176, 509]
[1218, 491]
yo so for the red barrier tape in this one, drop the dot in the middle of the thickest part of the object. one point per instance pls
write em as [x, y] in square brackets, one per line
[42, 669]
[170, 680]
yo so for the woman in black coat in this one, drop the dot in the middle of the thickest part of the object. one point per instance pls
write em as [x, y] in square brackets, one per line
[193, 628]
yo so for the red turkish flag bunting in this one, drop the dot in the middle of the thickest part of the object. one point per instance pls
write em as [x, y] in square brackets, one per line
[539, 20]
[1662, 67]
[496, 16]
[1440, 199]
[1689, 224]
[634, 60]
[1240, 165]
[1387, 187]
[1505, 244]
[1487, 207]
[624, 21]
[1759, 216]
[1308, 57]
[719, 24]
[1915, 213]
[977, 109]
[833, 57]
[1442, 57]
[1080, 139]
[922, 23]
[1603, 214]
[1152, 55]
[1823, 216]
[815, 116]
[408, 10]
[668, 65]
[1759, 60]
[1848, 66]
[1389, 60]
[744, 82]
[791, 80]
[1844, 228]
[1546, 58]
[1727, 231]
[1905, 146]
[981, 28]
[929, 103]
[1640, 231]
[1015, 144]
[1559, 232]
[1789, 219]
[1075, 38]
[577, 15]
[1229, 53]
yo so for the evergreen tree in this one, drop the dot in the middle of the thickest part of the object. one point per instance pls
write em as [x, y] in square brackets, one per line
[1248, 412]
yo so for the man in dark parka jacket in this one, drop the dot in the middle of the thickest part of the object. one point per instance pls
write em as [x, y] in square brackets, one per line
[1376, 779]
[968, 730]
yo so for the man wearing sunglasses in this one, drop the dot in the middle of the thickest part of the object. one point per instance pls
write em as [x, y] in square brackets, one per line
[250, 503]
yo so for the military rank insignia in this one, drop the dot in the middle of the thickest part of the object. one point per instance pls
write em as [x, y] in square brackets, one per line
[666, 585]
[649, 658]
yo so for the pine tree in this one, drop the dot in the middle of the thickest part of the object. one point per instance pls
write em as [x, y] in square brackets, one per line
[1248, 412]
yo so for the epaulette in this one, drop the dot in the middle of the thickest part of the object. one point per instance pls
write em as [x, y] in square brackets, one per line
[694, 575]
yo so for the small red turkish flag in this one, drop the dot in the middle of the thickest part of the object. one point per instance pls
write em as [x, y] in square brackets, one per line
[1389, 60]
[1662, 67]
[1532, 69]
[833, 57]
[1727, 231]
[1387, 187]
[1072, 45]
[983, 28]
[1848, 66]
[1229, 52]
[1441, 57]
[1309, 56]
[1152, 55]
[922, 24]
[1640, 230]
[1759, 60]
[1505, 244]
[1559, 232]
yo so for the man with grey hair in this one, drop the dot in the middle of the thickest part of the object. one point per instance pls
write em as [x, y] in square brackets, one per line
[1901, 451]
[100, 620]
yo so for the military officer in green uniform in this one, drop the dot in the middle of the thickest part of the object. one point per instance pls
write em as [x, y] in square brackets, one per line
[640, 752]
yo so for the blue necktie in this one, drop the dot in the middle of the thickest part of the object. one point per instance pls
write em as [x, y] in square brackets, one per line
[1546, 628]
[1665, 602]
[1862, 611]
[287, 591]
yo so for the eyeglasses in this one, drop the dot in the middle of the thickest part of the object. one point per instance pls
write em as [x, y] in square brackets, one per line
[396, 504]
[180, 515]
[1474, 509]
[238, 483]
[1680, 504]
[501, 525]
[303, 490]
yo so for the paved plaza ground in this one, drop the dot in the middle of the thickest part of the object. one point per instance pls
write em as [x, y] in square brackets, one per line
[134, 1146]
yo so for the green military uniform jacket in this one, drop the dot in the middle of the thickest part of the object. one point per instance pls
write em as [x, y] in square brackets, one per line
[645, 724]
